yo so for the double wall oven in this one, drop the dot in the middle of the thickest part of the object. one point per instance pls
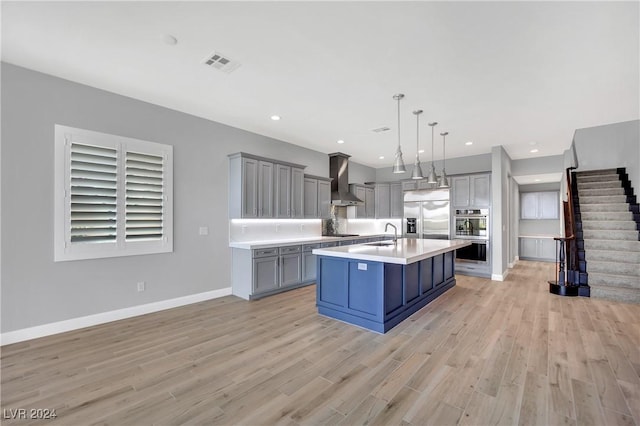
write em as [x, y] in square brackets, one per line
[472, 225]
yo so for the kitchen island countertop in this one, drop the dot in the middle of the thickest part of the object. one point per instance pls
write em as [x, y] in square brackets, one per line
[404, 252]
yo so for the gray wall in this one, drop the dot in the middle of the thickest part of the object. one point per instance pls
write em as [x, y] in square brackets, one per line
[35, 289]
[538, 165]
[502, 210]
[610, 146]
[454, 166]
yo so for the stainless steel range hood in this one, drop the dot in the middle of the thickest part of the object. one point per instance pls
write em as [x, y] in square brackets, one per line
[339, 172]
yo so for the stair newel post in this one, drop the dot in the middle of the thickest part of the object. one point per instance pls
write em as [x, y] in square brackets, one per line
[560, 279]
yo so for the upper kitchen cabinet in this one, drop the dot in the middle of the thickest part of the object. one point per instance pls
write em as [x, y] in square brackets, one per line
[472, 191]
[540, 205]
[388, 200]
[264, 188]
[317, 197]
[366, 210]
[289, 187]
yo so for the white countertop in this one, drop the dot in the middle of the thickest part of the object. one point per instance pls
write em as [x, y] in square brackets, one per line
[250, 245]
[406, 251]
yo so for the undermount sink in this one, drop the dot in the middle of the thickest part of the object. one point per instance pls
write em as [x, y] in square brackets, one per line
[381, 244]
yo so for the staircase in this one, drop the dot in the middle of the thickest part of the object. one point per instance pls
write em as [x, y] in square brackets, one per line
[610, 224]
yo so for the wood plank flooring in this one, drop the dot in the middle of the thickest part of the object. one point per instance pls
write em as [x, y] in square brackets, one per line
[485, 352]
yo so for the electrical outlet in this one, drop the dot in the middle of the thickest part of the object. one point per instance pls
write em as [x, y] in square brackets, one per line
[244, 228]
[301, 227]
[141, 286]
[277, 228]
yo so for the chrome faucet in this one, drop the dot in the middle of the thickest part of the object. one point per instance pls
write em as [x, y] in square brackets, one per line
[395, 231]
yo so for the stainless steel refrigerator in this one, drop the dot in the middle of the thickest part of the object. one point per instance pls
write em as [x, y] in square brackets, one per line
[426, 214]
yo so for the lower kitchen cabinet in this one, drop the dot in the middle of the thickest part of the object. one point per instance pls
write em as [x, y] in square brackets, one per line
[290, 266]
[265, 274]
[542, 249]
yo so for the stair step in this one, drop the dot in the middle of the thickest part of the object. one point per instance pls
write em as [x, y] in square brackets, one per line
[613, 207]
[598, 178]
[595, 172]
[601, 191]
[602, 199]
[617, 216]
[608, 234]
[613, 280]
[613, 256]
[618, 294]
[613, 245]
[599, 185]
[620, 225]
[613, 268]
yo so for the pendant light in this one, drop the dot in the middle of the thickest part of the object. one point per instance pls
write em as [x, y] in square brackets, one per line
[417, 170]
[433, 178]
[398, 164]
[444, 182]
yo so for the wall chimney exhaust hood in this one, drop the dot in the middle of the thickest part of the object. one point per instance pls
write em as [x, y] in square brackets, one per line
[339, 174]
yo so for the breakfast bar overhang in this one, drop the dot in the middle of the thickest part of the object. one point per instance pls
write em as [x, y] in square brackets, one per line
[378, 285]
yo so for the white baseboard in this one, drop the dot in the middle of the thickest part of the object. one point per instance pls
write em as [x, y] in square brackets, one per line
[104, 317]
[500, 277]
[514, 263]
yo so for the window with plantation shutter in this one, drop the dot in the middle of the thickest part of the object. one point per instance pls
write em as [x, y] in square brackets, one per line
[114, 195]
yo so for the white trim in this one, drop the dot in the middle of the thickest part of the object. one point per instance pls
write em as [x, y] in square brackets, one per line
[500, 277]
[105, 317]
[514, 263]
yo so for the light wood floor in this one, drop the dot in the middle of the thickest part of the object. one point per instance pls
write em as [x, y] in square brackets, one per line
[485, 352]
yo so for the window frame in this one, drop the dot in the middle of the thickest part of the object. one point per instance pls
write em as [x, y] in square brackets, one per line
[64, 248]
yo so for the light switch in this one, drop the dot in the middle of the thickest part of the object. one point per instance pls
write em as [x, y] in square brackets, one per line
[362, 266]
[204, 230]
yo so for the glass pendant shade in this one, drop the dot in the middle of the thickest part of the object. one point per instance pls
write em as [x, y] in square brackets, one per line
[444, 182]
[417, 170]
[433, 177]
[398, 164]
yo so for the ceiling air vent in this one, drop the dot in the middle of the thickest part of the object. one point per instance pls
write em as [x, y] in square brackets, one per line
[221, 62]
[381, 129]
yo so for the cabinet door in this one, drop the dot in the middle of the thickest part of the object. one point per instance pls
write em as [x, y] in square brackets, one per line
[297, 193]
[265, 274]
[290, 269]
[308, 267]
[547, 249]
[361, 209]
[529, 205]
[249, 187]
[283, 191]
[383, 200]
[265, 192]
[370, 203]
[409, 185]
[460, 189]
[548, 205]
[481, 190]
[397, 200]
[529, 247]
[324, 199]
[310, 198]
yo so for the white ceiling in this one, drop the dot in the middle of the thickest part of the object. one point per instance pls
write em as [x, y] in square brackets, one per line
[519, 74]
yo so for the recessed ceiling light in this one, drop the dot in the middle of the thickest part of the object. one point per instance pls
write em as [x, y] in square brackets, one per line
[536, 180]
[468, 143]
[381, 157]
[275, 117]
[341, 141]
[169, 39]
[533, 151]
[421, 151]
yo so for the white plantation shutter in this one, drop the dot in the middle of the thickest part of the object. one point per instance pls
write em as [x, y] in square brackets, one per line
[116, 196]
[144, 203]
[93, 193]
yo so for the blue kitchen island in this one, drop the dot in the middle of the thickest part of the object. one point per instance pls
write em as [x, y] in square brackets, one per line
[378, 285]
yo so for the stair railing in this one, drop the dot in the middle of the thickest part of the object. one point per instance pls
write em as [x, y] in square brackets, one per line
[566, 282]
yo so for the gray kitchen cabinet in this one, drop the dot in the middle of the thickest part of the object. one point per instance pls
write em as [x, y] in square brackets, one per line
[251, 188]
[309, 262]
[541, 249]
[409, 185]
[540, 205]
[290, 266]
[367, 209]
[265, 271]
[396, 200]
[317, 197]
[472, 191]
[264, 188]
[383, 200]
